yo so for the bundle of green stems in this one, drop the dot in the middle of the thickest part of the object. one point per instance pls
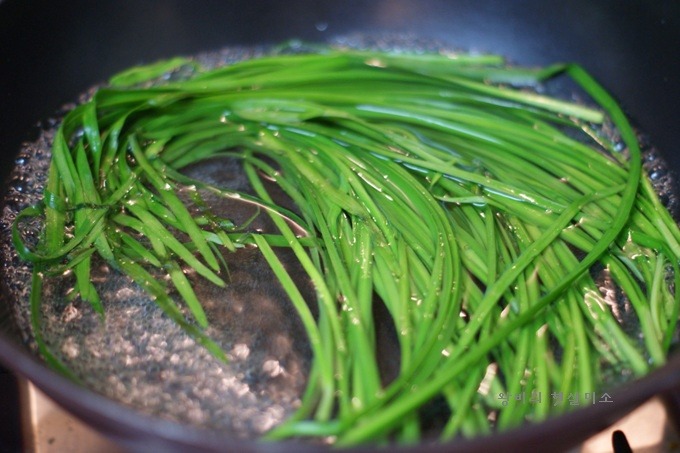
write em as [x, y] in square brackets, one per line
[501, 228]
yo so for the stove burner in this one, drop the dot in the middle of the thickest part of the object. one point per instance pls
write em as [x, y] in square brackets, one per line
[620, 443]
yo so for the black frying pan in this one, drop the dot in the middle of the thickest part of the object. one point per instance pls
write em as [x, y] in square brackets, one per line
[51, 51]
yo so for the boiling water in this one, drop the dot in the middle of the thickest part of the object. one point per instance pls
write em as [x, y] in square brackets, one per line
[141, 358]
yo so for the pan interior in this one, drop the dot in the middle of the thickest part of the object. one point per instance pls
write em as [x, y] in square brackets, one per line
[142, 359]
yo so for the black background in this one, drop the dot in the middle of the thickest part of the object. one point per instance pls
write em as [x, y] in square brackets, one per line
[50, 51]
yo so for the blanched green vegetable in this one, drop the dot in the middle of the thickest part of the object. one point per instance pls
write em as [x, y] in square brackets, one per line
[466, 207]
